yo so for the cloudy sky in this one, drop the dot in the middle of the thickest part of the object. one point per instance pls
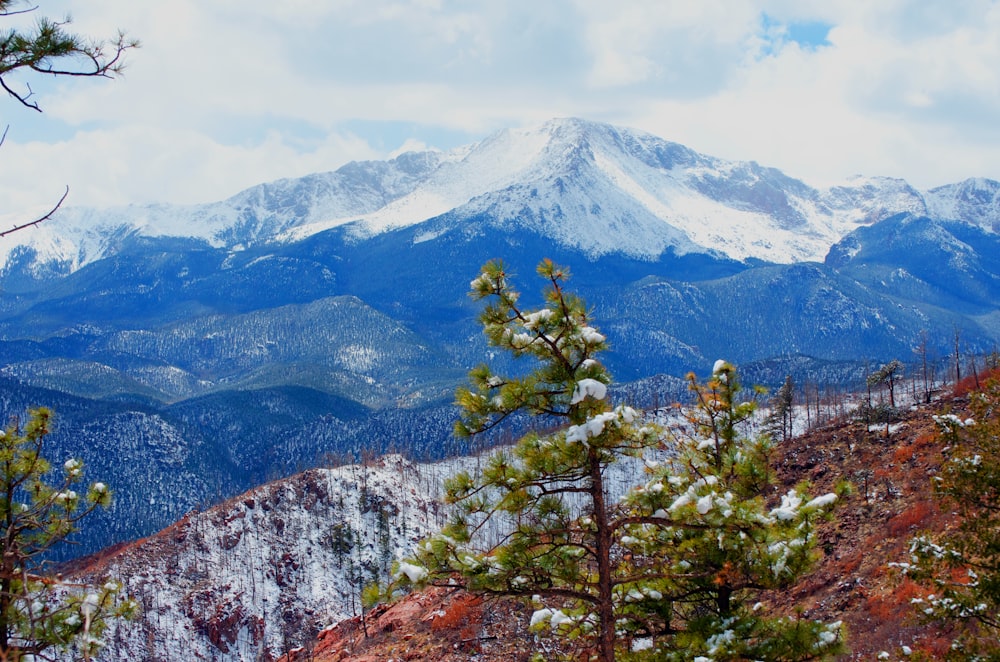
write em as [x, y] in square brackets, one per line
[225, 94]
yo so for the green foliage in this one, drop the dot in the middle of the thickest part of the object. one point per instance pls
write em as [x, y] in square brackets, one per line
[37, 511]
[887, 376]
[780, 421]
[371, 595]
[704, 522]
[547, 493]
[961, 569]
[881, 413]
[49, 49]
[675, 562]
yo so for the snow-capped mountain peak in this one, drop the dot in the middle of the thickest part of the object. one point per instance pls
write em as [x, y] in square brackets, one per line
[587, 186]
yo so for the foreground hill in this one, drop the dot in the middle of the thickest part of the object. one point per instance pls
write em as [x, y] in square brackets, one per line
[851, 582]
[280, 567]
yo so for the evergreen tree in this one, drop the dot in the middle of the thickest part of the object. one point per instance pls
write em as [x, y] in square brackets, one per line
[704, 523]
[610, 572]
[561, 539]
[961, 569]
[887, 376]
[781, 418]
[39, 612]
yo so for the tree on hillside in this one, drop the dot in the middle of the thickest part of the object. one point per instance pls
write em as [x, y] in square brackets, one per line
[961, 569]
[40, 613]
[922, 350]
[612, 573]
[887, 376]
[704, 523]
[550, 488]
[781, 419]
[48, 49]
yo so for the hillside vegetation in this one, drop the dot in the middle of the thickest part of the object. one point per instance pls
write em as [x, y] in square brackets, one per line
[852, 581]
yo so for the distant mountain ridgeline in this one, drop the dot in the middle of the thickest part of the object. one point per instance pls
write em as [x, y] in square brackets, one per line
[162, 461]
[193, 352]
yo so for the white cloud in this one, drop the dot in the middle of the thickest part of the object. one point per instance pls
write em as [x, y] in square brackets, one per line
[410, 145]
[230, 93]
[108, 167]
[683, 46]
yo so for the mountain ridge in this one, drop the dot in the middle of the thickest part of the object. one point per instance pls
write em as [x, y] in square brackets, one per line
[593, 187]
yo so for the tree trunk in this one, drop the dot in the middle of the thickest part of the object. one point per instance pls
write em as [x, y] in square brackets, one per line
[4, 625]
[605, 602]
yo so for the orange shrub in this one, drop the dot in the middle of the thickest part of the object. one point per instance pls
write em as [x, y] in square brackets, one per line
[461, 611]
[849, 564]
[903, 454]
[924, 440]
[907, 591]
[934, 645]
[895, 605]
[911, 519]
[879, 608]
[974, 382]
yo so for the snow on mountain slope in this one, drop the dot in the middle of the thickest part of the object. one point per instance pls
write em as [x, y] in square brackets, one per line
[604, 190]
[77, 236]
[261, 573]
[463, 174]
[866, 200]
[974, 200]
[264, 572]
[590, 186]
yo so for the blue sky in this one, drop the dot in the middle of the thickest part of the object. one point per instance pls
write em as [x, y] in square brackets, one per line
[229, 93]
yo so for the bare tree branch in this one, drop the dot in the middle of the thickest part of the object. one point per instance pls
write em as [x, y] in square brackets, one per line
[22, 99]
[14, 12]
[37, 220]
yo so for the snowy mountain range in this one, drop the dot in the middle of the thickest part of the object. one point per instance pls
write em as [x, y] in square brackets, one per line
[310, 320]
[585, 186]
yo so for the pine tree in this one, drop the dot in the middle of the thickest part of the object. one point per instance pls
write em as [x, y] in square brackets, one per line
[781, 418]
[39, 612]
[704, 522]
[614, 573]
[887, 376]
[549, 490]
[961, 569]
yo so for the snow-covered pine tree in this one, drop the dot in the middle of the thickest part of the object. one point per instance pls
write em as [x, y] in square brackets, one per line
[40, 613]
[665, 573]
[961, 569]
[704, 543]
[562, 545]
